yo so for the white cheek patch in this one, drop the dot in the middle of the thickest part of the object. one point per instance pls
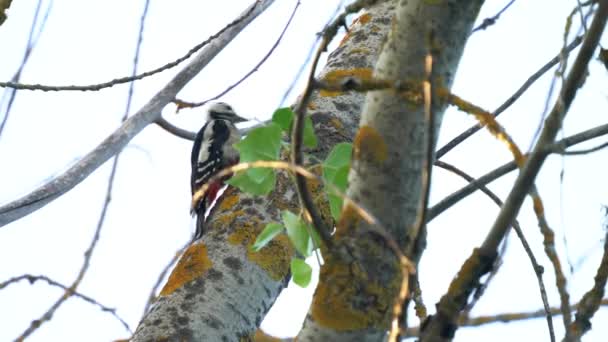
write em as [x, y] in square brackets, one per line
[203, 153]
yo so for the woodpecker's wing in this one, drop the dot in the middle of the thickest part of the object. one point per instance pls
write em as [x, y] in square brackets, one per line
[207, 152]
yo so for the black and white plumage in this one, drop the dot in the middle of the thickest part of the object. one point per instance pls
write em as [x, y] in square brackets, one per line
[212, 152]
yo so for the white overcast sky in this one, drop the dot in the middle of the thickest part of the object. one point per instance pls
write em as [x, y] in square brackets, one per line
[88, 42]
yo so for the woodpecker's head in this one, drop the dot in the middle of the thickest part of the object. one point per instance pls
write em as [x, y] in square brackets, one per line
[223, 111]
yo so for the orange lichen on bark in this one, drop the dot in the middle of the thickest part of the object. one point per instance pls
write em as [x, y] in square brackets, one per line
[336, 123]
[261, 336]
[349, 219]
[369, 145]
[346, 299]
[352, 294]
[193, 264]
[362, 19]
[229, 200]
[362, 74]
[274, 258]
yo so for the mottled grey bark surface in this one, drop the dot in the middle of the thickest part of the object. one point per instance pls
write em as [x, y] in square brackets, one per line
[385, 176]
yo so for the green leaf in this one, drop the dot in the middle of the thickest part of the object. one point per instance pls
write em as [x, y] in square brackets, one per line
[335, 171]
[270, 231]
[244, 182]
[340, 180]
[301, 272]
[297, 233]
[262, 143]
[283, 117]
[310, 139]
[337, 158]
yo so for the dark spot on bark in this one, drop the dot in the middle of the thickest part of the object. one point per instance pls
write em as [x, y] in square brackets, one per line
[239, 280]
[258, 200]
[233, 263]
[190, 296]
[157, 322]
[186, 334]
[219, 289]
[225, 338]
[214, 275]
[251, 211]
[357, 37]
[246, 201]
[258, 320]
[182, 320]
[213, 322]
[186, 306]
[342, 107]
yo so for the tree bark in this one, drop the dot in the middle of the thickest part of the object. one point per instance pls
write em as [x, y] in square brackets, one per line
[359, 284]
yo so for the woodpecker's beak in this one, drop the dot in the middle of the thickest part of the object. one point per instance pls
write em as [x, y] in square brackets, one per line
[239, 119]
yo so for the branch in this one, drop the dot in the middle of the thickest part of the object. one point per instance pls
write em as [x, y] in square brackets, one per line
[491, 176]
[538, 269]
[89, 252]
[179, 132]
[443, 324]
[487, 22]
[31, 43]
[148, 114]
[469, 132]
[592, 300]
[34, 278]
[185, 104]
[121, 80]
[552, 125]
[502, 318]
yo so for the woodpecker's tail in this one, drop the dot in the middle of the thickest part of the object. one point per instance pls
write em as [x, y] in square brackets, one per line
[199, 210]
[200, 221]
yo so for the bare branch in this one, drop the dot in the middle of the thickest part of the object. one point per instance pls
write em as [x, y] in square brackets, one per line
[538, 269]
[31, 43]
[592, 300]
[185, 104]
[148, 114]
[504, 318]
[161, 277]
[121, 80]
[89, 252]
[524, 87]
[179, 132]
[552, 125]
[491, 176]
[34, 278]
[487, 22]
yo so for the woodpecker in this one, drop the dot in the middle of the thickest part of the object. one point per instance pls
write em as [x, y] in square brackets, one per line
[212, 152]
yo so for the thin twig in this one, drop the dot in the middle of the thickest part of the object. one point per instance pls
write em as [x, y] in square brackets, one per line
[538, 269]
[34, 278]
[297, 134]
[524, 87]
[148, 114]
[161, 277]
[169, 127]
[108, 197]
[487, 22]
[121, 80]
[491, 176]
[185, 104]
[584, 151]
[592, 300]
[31, 43]
[525, 180]
[503, 318]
